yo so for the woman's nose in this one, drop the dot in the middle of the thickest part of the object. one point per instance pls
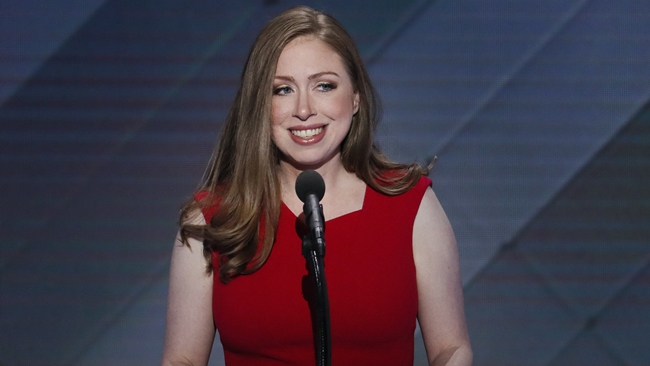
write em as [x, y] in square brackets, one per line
[304, 108]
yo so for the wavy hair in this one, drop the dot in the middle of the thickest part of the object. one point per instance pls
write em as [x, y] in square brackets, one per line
[241, 178]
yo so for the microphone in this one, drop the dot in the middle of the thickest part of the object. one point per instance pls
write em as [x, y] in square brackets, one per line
[310, 188]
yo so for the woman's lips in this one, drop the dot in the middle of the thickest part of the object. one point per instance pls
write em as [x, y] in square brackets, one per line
[307, 136]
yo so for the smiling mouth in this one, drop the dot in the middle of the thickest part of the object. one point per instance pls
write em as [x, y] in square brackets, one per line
[307, 134]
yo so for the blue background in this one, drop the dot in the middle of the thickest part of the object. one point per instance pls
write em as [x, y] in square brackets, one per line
[537, 110]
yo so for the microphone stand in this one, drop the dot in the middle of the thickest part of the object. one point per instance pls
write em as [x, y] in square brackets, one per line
[313, 249]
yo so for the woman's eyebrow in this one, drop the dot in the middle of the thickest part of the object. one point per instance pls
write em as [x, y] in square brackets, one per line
[319, 74]
[310, 77]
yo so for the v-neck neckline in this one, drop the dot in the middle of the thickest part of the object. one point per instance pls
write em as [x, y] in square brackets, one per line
[363, 206]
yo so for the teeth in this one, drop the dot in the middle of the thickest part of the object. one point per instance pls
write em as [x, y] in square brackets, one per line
[305, 134]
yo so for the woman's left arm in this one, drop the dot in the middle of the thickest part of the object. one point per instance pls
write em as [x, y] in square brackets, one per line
[440, 294]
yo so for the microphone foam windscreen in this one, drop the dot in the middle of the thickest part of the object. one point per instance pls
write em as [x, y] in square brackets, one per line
[310, 181]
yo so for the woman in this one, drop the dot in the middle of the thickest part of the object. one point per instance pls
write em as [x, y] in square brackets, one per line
[306, 102]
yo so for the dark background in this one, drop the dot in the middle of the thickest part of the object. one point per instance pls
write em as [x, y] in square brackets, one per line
[537, 110]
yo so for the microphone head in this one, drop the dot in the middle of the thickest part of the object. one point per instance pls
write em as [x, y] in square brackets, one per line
[308, 182]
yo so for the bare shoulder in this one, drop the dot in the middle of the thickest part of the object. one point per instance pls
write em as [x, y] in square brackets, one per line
[188, 262]
[432, 230]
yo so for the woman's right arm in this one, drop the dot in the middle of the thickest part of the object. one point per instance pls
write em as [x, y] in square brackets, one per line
[190, 329]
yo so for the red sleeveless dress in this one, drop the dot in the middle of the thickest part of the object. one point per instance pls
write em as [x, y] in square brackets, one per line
[264, 318]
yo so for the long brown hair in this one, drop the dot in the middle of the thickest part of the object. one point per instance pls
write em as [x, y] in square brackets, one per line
[241, 178]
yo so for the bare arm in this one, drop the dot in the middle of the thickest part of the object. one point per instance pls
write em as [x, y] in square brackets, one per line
[440, 306]
[190, 329]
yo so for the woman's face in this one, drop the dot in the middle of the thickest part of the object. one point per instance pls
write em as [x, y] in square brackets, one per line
[312, 105]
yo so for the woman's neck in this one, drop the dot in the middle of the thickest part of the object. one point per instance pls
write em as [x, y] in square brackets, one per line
[344, 191]
[333, 173]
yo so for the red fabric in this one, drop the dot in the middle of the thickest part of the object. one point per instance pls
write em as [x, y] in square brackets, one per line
[264, 319]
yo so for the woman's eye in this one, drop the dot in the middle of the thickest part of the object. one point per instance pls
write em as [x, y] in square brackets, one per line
[282, 90]
[326, 86]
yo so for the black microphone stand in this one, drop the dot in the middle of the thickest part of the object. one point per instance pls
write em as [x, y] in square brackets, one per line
[313, 249]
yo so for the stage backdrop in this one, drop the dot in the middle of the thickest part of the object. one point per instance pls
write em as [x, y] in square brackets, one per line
[537, 111]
